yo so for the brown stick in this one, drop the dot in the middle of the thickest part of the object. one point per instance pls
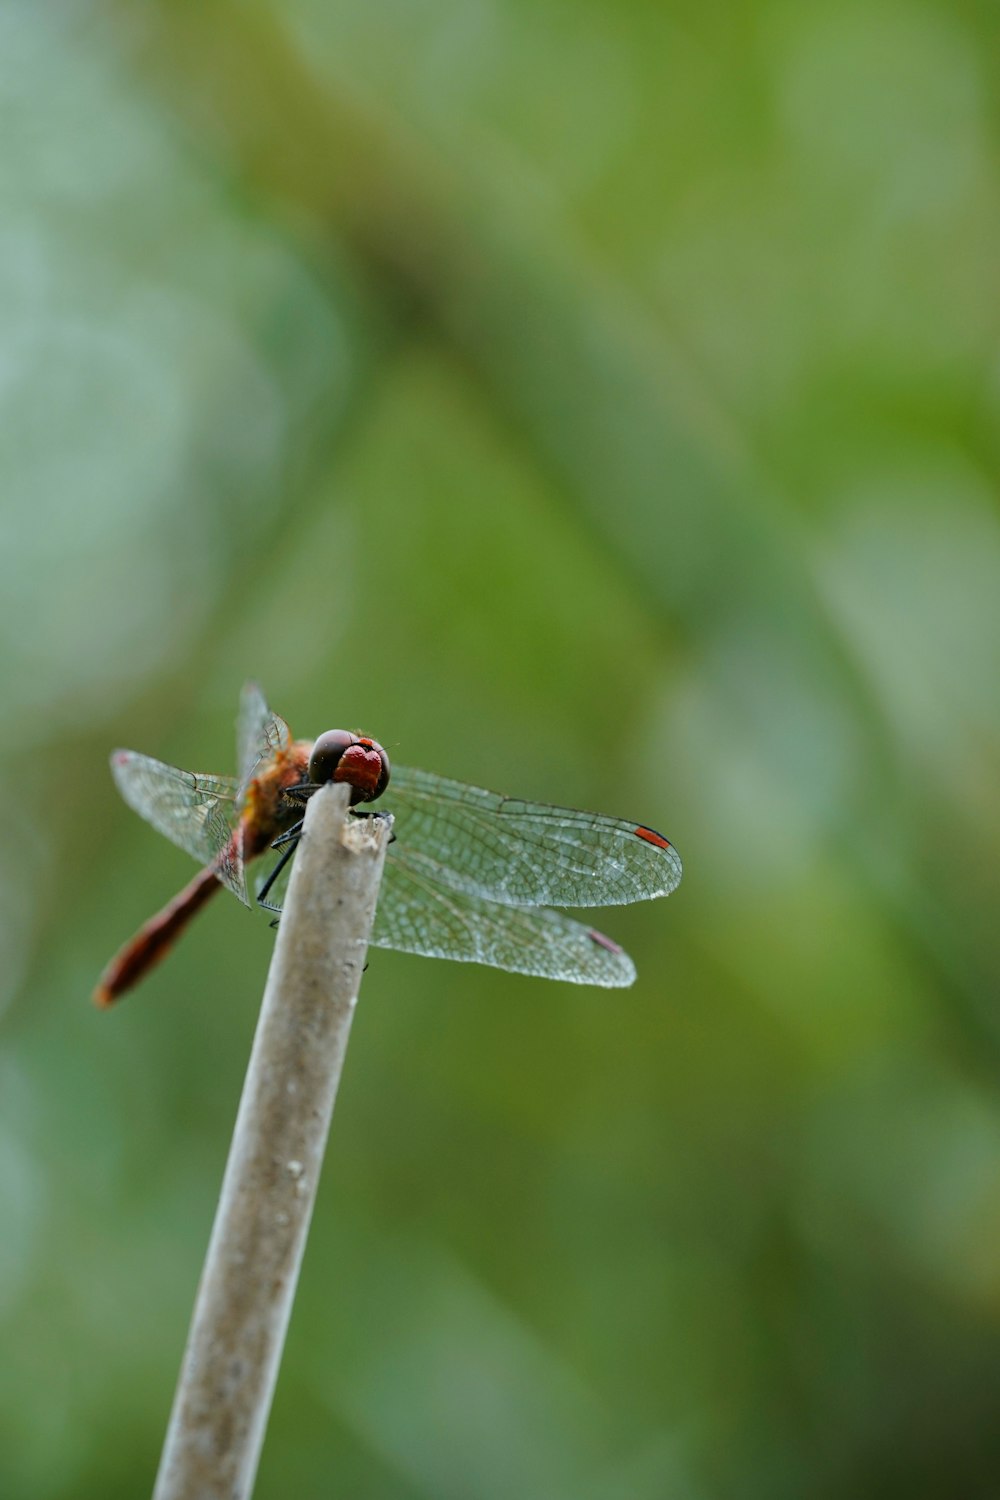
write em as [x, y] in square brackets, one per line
[248, 1284]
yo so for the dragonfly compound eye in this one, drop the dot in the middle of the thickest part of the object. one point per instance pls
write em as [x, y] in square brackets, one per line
[362, 763]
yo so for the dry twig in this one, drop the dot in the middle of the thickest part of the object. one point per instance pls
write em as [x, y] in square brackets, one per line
[248, 1283]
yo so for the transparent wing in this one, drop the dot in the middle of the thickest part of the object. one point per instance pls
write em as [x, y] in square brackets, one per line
[197, 813]
[417, 913]
[259, 733]
[525, 853]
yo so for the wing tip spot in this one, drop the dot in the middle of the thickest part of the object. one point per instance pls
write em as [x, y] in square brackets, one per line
[603, 941]
[651, 836]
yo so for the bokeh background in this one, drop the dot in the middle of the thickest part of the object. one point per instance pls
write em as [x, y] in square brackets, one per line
[597, 402]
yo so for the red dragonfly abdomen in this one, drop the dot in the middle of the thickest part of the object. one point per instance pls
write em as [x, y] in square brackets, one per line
[155, 938]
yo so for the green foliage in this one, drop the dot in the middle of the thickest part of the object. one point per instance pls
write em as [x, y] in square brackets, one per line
[598, 403]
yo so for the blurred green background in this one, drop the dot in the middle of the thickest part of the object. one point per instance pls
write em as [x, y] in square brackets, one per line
[597, 402]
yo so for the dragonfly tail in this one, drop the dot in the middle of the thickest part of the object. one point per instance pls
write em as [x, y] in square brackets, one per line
[154, 939]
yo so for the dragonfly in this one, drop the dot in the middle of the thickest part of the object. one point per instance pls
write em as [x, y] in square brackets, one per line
[470, 875]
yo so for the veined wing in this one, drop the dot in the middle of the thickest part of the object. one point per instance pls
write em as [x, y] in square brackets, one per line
[259, 733]
[525, 853]
[197, 813]
[418, 913]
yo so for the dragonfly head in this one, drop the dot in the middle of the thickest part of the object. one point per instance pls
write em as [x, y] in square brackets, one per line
[362, 763]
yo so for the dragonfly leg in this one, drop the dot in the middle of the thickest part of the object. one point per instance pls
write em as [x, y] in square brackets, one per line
[282, 862]
[300, 794]
[288, 842]
[290, 835]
